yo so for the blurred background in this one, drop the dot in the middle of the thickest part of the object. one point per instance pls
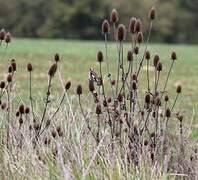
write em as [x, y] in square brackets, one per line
[177, 20]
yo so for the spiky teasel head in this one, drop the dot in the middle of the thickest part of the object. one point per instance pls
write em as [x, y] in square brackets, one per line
[147, 55]
[13, 64]
[152, 13]
[67, 85]
[130, 56]
[138, 26]
[105, 27]
[91, 86]
[29, 67]
[132, 25]
[168, 113]
[98, 109]
[79, 90]
[134, 85]
[8, 37]
[3, 105]
[113, 82]
[173, 55]
[10, 69]
[179, 89]
[2, 84]
[120, 97]
[159, 66]
[22, 109]
[136, 50]
[156, 60]
[121, 32]
[52, 70]
[56, 57]
[114, 17]
[2, 34]
[147, 98]
[27, 110]
[140, 37]
[166, 98]
[9, 78]
[99, 56]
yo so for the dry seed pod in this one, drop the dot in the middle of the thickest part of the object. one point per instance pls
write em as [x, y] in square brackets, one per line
[29, 67]
[156, 60]
[79, 90]
[173, 55]
[114, 16]
[147, 55]
[100, 56]
[132, 25]
[9, 78]
[152, 13]
[129, 56]
[159, 66]
[168, 113]
[140, 37]
[2, 34]
[98, 109]
[7, 38]
[105, 27]
[91, 86]
[13, 64]
[166, 98]
[52, 70]
[121, 32]
[147, 98]
[138, 26]
[27, 110]
[179, 89]
[3, 105]
[67, 85]
[22, 109]
[2, 84]
[56, 57]
[120, 97]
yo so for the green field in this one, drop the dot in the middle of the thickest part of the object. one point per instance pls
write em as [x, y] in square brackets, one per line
[78, 56]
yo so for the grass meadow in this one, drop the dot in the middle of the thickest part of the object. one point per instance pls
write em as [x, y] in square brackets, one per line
[78, 56]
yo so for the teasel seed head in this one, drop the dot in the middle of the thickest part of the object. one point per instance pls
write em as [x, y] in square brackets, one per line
[79, 90]
[120, 97]
[156, 60]
[138, 26]
[145, 142]
[99, 56]
[132, 25]
[134, 77]
[114, 16]
[10, 69]
[98, 109]
[105, 103]
[168, 113]
[29, 67]
[20, 121]
[2, 84]
[113, 82]
[134, 85]
[152, 13]
[140, 37]
[158, 101]
[173, 55]
[9, 78]
[3, 105]
[52, 70]
[22, 109]
[27, 110]
[7, 38]
[180, 117]
[179, 89]
[159, 66]
[54, 133]
[121, 32]
[105, 27]
[109, 100]
[147, 55]
[136, 50]
[67, 85]
[56, 57]
[166, 98]
[147, 98]
[91, 85]
[13, 64]
[2, 34]
[17, 114]
[130, 56]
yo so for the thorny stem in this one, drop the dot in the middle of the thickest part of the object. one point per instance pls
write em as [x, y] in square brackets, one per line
[147, 70]
[148, 38]
[175, 101]
[98, 132]
[168, 76]
[31, 100]
[86, 120]
[103, 92]
[157, 82]
[107, 63]
[46, 104]
[118, 68]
